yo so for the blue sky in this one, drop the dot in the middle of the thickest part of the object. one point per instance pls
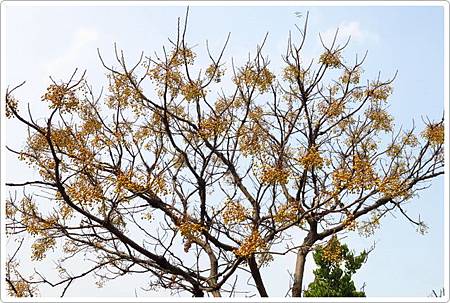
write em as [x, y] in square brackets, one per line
[44, 41]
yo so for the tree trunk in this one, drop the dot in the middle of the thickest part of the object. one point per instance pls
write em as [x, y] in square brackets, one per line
[257, 276]
[216, 293]
[299, 271]
[303, 251]
[197, 292]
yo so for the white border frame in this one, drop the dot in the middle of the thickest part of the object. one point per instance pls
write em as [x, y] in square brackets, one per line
[3, 85]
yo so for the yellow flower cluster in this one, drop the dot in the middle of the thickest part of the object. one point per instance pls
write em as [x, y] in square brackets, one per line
[410, 140]
[367, 228]
[311, 159]
[352, 77]
[215, 72]
[46, 169]
[40, 247]
[10, 210]
[345, 123]
[21, 289]
[394, 150]
[192, 91]
[250, 76]
[358, 94]
[392, 186]
[274, 174]
[122, 92]
[64, 139]
[189, 229]
[84, 192]
[364, 176]
[434, 133]
[60, 97]
[292, 73]
[11, 106]
[334, 109]
[34, 224]
[361, 176]
[147, 216]
[341, 178]
[90, 126]
[65, 211]
[252, 140]
[168, 74]
[222, 104]
[379, 92]
[234, 212]
[180, 55]
[332, 252]
[331, 59]
[369, 145]
[212, 126]
[250, 245]
[287, 213]
[350, 222]
[142, 184]
[70, 247]
[256, 113]
[381, 120]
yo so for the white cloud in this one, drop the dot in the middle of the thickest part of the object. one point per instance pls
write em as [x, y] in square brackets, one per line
[350, 29]
[67, 61]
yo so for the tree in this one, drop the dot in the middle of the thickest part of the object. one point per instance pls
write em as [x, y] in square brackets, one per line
[161, 160]
[331, 280]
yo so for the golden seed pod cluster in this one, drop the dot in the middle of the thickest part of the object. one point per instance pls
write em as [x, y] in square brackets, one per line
[234, 212]
[350, 223]
[252, 139]
[274, 174]
[434, 133]
[333, 109]
[381, 120]
[20, 289]
[251, 76]
[212, 126]
[214, 72]
[40, 247]
[360, 176]
[393, 186]
[410, 140]
[332, 252]
[190, 230]
[311, 159]
[287, 213]
[60, 97]
[379, 92]
[332, 59]
[192, 91]
[250, 245]
[11, 106]
[291, 73]
[352, 77]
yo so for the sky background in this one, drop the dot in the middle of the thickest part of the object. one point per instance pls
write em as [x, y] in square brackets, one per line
[53, 41]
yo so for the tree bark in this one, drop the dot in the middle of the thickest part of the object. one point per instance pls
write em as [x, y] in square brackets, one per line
[299, 271]
[197, 292]
[216, 294]
[303, 251]
[257, 276]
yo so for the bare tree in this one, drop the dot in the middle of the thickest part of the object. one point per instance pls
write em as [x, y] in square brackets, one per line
[168, 155]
